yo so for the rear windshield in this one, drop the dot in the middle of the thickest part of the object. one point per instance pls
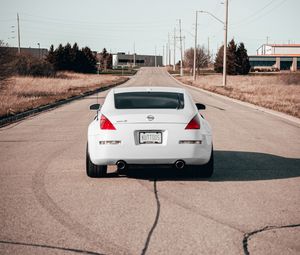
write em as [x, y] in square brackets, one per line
[149, 100]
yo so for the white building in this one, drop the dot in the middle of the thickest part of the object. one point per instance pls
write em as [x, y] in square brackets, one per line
[280, 56]
[121, 59]
[279, 49]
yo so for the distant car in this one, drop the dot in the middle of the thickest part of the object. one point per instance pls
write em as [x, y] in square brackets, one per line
[265, 69]
[149, 126]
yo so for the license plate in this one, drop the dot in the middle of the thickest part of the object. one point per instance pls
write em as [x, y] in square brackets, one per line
[150, 137]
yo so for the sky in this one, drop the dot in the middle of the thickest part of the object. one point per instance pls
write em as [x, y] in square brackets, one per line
[144, 25]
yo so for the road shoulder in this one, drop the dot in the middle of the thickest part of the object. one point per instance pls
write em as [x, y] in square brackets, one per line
[255, 107]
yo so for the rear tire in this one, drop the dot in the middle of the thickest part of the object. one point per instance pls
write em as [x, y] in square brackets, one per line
[206, 170]
[92, 170]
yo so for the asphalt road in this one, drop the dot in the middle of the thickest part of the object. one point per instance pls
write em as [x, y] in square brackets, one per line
[251, 205]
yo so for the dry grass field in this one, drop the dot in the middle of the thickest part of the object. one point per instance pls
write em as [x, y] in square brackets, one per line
[276, 92]
[24, 93]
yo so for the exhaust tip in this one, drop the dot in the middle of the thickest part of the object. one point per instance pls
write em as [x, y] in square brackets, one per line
[179, 164]
[121, 165]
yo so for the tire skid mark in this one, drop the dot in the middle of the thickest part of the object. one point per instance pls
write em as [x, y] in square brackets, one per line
[45, 246]
[247, 236]
[146, 245]
[195, 210]
[40, 192]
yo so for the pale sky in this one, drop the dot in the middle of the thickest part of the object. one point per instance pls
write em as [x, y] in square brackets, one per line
[118, 25]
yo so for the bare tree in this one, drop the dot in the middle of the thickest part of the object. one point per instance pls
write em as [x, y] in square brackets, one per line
[6, 57]
[202, 58]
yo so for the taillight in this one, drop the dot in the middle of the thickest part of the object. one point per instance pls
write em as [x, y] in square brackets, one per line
[106, 124]
[194, 123]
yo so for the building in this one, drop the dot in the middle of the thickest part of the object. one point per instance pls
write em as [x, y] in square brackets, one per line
[35, 52]
[121, 59]
[276, 57]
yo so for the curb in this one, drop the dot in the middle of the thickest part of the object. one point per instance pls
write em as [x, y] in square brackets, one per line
[252, 106]
[22, 115]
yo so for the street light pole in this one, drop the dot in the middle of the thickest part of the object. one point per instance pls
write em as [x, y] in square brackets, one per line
[225, 23]
[174, 57]
[225, 45]
[19, 43]
[194, 69]
[181, 66]
[134, 54]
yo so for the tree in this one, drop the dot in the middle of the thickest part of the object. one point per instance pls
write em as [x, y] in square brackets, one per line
[202, 58]
[51, 54]
[237, 59]
[67, 58]
[243, 64]
[90, 61]
[231, 58]
[26, 64]
[6, 56]
[103, 59]
[218, 66]
[70, 58]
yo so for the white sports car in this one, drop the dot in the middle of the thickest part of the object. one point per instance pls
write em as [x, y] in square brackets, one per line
[149, 126]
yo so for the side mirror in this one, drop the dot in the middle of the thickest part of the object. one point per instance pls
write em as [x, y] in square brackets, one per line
[200, 106]
[94, 107]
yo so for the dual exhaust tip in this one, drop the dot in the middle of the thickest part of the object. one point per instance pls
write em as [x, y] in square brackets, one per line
[122, 165]
[179, 164]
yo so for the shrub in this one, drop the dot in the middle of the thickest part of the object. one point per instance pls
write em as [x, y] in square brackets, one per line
[6, 57]
[29, 65]
[290, 78]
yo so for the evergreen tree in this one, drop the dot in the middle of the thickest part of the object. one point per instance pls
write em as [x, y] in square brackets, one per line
[218, 66]
[90, 61]
[243, 64]
[59, 62]
[231, 58]
[71, 58]
[237, 59]
[75, 58]
[51, 55]
[67, 58]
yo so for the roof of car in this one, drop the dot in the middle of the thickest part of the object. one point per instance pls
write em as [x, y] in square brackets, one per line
[149, 89]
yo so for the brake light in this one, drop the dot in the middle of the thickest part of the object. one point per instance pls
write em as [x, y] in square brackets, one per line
[194, 123]
[106, 124]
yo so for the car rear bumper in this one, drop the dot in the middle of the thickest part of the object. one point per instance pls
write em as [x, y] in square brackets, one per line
[165, 153]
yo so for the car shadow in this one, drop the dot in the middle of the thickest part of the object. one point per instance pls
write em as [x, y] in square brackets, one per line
[229, 166]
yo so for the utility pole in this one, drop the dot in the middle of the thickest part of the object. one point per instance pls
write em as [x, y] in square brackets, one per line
[174, 66]
[39, 50]
[167, 55]
[155, 58]
[163, 55]
[19, 44]
[181, 67]
[225, 44]
[196, 28]
[208, 52]
[133, 54]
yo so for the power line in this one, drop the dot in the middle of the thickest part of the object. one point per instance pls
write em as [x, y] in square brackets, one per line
[258, 14]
